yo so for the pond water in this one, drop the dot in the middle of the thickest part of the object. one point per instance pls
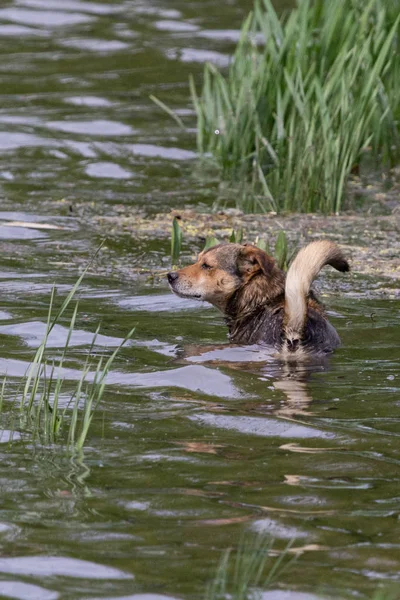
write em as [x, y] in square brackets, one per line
[193, 443]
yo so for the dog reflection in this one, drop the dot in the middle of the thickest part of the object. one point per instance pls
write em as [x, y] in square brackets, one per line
[292, 382]
[287, 376]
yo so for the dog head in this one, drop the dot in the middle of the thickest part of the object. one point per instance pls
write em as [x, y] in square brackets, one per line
[223, 270]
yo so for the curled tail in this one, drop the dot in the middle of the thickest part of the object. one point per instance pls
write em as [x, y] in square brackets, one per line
[302, 272]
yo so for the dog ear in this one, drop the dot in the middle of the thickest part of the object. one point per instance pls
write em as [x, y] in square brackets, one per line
[252, 260]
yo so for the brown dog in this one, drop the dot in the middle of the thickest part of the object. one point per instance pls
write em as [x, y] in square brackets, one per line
[259, 304]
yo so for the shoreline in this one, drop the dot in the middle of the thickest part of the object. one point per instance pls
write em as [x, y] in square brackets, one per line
[371, 242]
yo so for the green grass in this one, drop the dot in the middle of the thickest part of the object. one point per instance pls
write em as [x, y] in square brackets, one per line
[296, 112]
[255, 566]
[176, 241]
[35, 405]
[248, 570]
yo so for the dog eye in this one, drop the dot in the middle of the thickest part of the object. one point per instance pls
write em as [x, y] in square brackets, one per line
[206, 266]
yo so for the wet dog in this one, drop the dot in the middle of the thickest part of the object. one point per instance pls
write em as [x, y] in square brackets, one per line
[260, 304]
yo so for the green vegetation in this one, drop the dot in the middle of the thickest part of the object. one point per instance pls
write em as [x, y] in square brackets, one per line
[254, 567]
[280, 252]
[176, 241]
[386, 595]
[248, 570]
[36, 403]
[304, 98]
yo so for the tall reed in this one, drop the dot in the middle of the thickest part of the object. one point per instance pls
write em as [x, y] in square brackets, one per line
[305, 96]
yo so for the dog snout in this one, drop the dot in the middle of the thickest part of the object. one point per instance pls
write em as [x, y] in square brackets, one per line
[172, 276]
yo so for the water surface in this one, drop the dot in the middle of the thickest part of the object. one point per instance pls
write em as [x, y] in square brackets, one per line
[194, 442]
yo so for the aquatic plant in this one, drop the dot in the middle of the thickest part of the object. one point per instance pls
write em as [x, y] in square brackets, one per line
[176, 241]
[210, 242]
[386, 595]
[236, 237]
[254, 566]
[36, 403]
[280, 253]
[249, 569]
[306, 94]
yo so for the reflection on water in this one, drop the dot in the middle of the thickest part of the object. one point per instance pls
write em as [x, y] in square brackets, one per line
[27, 591]
[289, 377]
[42, 18]
[195, 440]
[258, 426]
[46, 566]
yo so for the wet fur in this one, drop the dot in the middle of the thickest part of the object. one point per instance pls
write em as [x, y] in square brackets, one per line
[261, 305]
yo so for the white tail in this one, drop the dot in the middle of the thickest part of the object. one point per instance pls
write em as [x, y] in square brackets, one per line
[302, 272]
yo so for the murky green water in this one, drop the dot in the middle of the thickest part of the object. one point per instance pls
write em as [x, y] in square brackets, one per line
[189, 448]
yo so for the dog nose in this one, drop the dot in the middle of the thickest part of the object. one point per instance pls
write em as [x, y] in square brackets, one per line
[172, 276]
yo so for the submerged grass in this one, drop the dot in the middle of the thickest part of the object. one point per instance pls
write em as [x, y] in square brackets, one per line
[305, 96]
[36, 403]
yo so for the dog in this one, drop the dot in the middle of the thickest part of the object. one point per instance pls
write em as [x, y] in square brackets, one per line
[260, 304]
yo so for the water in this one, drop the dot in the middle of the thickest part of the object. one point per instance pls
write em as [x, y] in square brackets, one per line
[194, 442]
